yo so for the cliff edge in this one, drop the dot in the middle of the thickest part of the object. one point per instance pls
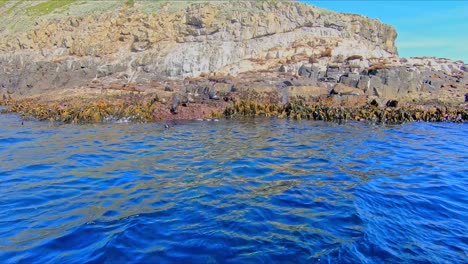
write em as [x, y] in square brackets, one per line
[176, 49]
[81, 40]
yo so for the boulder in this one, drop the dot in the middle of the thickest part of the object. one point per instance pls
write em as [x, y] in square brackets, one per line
[363, 83]
[349, 79]
[376, 87]
[400, 80]
[334, 72]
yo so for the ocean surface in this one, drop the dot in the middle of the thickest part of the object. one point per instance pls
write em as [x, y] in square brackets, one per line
[233, 191]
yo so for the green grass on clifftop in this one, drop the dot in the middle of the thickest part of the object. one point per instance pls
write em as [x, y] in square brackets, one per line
[21, 15]
[12, 8]
[2, 3]
[46, 7]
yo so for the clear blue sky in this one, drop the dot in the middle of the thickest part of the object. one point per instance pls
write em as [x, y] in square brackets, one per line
[425, 28]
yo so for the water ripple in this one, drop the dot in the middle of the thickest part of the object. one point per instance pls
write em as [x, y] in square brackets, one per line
[233, 191]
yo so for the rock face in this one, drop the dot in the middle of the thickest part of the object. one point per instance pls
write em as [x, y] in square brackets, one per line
[135, 46]
[171, 41]
[391, 79]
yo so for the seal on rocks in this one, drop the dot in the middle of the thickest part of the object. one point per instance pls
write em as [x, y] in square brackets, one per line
[392, 103]
[175, 104]
[213, 96]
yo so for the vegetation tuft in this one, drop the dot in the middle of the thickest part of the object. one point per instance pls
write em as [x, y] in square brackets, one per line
[130, 3]
[3, 2]
[47, 7]
[12, 8]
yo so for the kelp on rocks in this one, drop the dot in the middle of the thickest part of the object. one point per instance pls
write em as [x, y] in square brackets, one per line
[150, 109]
[79, 111]
[318, 111]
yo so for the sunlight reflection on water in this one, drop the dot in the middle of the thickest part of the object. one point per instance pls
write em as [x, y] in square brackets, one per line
[232, 191]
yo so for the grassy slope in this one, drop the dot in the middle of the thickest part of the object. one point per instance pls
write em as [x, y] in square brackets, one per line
[47, 7]
[20, 15]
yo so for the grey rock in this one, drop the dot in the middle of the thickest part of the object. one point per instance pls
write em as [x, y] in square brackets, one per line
[328, 79]
[305, 82]
[224, 47]
[364, 83]
[334, 72]
[374, 87]
[397, 81]
[349, 79]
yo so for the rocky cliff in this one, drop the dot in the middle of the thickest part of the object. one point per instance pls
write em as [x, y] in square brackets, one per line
[45, 46]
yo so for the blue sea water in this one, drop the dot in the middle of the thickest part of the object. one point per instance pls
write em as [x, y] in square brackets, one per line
[244, 191]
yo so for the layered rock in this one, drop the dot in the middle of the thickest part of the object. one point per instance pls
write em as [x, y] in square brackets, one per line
[228, 37]
[390, 78]
[288, 48]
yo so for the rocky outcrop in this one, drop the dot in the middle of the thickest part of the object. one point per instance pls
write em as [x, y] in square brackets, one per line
[391, 78]
[132, 45]
[291, 48]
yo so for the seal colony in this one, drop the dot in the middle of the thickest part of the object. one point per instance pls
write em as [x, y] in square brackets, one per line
[149, 61]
